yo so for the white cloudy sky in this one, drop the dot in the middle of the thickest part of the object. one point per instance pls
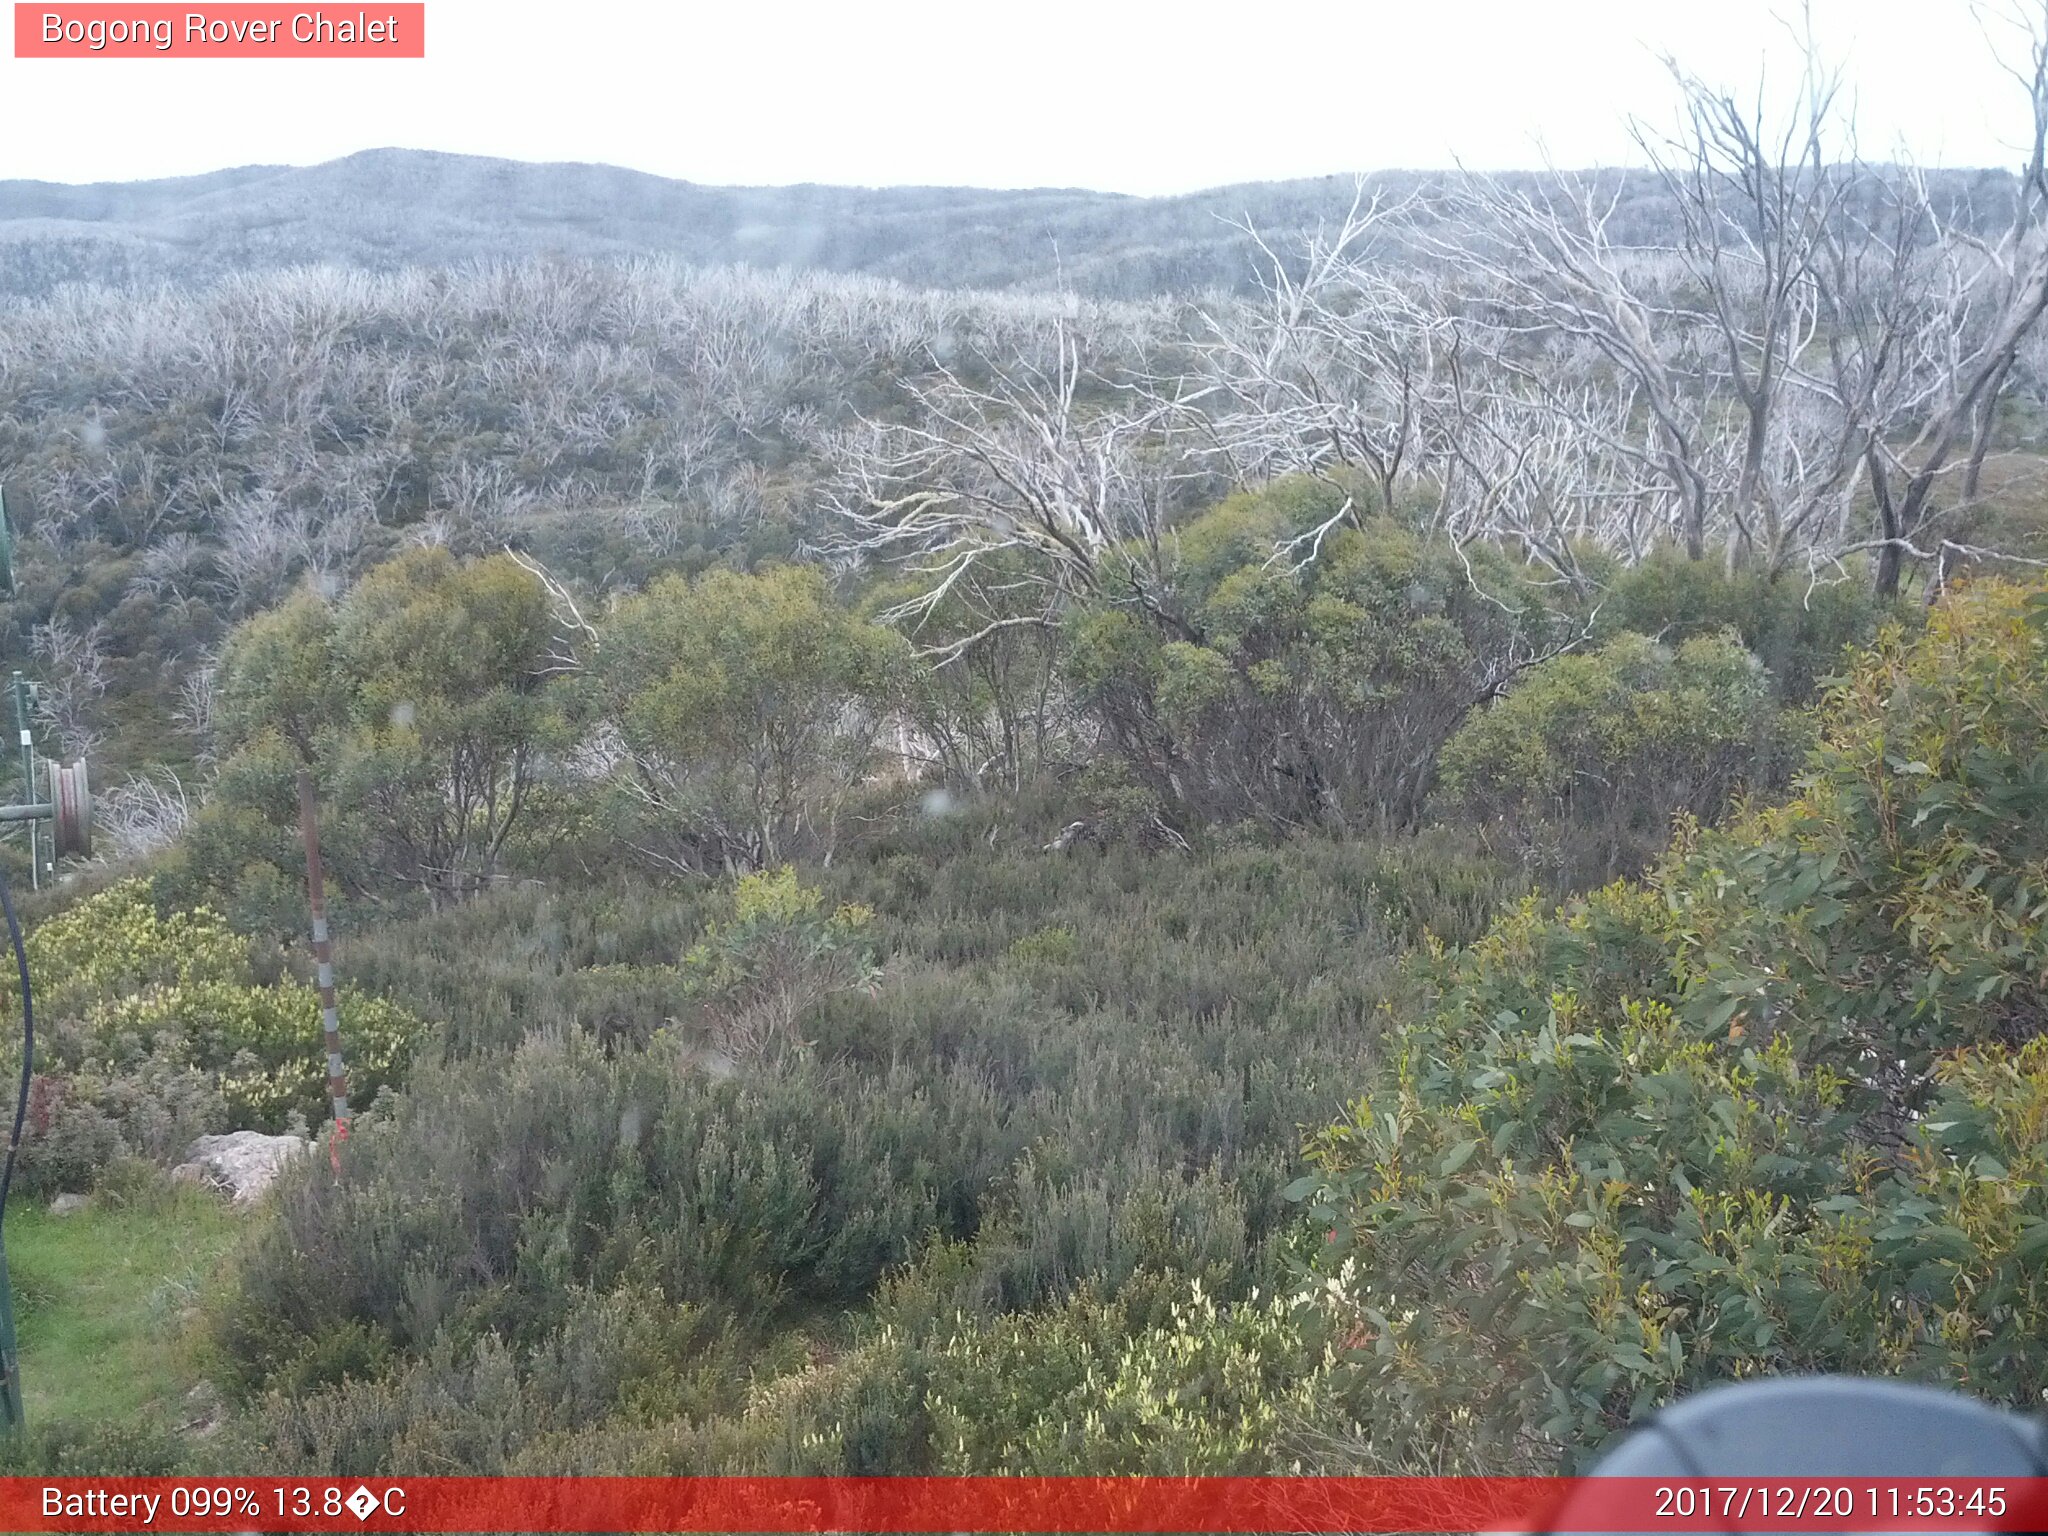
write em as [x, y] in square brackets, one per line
[1125, 95]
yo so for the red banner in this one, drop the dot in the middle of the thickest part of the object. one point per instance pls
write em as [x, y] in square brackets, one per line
[1024, 1504]
[224, 31]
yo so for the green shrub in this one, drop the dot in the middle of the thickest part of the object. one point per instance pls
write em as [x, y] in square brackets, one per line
[421, 700]
[1301, 693]
[154, 1029]
[751, 707]
[773, 960]
[1779, 1109]
[1086, 1387]
[526, 960]
[1615, 742]
[1209, 1391]
[265, 1046]
[627, 1357]
[1118, 1111]
[488, 1189]
[1054, 946]
[83, 1122]
[88, 1449]
[1802, 632]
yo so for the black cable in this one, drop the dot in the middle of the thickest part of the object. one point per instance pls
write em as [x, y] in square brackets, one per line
[28, 1040]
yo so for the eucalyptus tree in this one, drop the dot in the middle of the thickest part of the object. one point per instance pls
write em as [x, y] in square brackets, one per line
[420, 698]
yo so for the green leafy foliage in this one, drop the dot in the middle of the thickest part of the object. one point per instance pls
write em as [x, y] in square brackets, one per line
[1615, 742]
[1803, 632]
[778, 956]
[1781, 1108]
[420, 701]
[752, 708]
[153, 1029]
[1302, 692]
[690, 1180]
[1162, 1380]
[1006, 1122]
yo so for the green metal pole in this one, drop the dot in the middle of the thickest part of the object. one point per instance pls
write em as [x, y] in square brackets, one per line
[10, 1368]
[21, 706]
[10, 1364]
[28, 778]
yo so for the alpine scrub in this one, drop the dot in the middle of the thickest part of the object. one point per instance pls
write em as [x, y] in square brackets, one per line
[1779, 1107]
[155, 1029]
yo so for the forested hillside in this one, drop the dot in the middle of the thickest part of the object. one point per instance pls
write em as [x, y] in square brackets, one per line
[388, 209]
[946, 867]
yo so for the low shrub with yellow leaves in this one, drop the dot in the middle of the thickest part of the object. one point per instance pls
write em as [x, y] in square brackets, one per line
[154, 1029]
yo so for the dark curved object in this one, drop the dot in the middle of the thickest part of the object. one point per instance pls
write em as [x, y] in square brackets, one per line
[10, 1364]
[28, 1040]
[1827, 1426]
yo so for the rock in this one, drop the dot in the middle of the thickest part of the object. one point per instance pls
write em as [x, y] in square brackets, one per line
[242, 1164]
[1073, 833]
[64, 1205]
[202, 1409]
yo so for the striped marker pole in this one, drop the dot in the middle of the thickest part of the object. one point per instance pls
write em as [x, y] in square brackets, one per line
[323, 956]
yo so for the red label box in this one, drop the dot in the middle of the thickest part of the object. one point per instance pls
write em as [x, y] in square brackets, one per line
[224, 31]
[1055, 1506]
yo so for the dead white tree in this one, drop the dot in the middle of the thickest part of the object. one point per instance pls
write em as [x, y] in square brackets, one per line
[1815, 333]
[1978, 298]
[1550, 471]
[73, 663]
[576, 639]
[1332, 368]
[264, 543]
[144, 815]
[1056, 467]
[1538, 274]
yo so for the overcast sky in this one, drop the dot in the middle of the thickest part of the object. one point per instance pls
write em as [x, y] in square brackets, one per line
[1122, 95]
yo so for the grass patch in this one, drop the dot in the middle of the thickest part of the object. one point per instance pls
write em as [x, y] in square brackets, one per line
[107, 1303]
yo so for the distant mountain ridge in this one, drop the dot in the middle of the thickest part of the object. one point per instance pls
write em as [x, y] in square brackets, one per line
[387, 208]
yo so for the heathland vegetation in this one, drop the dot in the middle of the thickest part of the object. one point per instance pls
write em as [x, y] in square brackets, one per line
[1382, 874]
